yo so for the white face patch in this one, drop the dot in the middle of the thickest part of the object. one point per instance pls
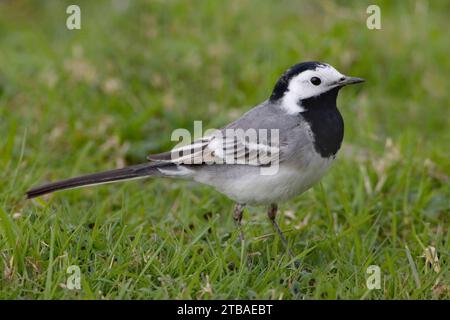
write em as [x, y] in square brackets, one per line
[300, 87]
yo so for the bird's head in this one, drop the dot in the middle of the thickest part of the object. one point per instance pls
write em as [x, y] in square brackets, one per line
[308, 80]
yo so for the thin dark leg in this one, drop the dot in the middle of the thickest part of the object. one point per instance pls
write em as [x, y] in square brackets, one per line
[237, 216]
[272, 213]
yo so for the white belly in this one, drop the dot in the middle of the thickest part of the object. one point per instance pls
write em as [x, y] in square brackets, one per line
[253, 188]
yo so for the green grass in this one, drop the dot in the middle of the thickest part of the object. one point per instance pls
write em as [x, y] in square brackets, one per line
[74, 102]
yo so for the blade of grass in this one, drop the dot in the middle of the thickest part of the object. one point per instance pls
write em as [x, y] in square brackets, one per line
[413, 267]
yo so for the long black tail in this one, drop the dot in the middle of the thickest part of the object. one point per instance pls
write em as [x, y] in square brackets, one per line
[132, 172]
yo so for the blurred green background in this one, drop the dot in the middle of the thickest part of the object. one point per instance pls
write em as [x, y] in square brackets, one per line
[105, 96]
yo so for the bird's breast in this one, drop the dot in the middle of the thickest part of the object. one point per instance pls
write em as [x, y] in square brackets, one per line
[327, 127]
[325, 121]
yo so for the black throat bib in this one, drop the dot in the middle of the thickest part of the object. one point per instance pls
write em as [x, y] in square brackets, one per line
[326, 122]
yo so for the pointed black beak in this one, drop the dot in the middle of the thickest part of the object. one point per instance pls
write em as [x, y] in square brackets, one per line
[349, 80]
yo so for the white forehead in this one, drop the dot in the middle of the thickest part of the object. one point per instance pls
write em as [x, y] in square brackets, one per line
[300, 86]
[326, 73]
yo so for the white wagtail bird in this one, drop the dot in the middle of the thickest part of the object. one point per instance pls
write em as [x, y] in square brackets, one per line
[301, 111]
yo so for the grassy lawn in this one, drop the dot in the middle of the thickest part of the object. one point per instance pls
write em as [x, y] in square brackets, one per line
[105, 96]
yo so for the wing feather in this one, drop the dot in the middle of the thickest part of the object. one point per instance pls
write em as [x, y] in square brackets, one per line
[223, 149]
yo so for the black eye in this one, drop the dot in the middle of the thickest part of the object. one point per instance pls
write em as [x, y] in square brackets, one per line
[315, 81]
